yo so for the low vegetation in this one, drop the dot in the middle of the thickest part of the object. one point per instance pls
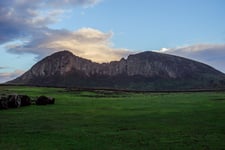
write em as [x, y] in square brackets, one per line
[114, 120]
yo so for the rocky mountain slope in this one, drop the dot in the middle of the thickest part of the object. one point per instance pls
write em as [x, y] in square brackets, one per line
[142, 71]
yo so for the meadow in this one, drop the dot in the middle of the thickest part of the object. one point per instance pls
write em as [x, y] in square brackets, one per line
[96, 120]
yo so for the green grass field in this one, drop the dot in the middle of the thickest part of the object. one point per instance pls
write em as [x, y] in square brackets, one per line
[88, 120]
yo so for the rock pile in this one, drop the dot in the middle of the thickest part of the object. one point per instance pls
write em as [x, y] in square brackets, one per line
[16, 101]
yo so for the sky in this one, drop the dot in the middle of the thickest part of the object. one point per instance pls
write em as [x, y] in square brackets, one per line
[106, 30]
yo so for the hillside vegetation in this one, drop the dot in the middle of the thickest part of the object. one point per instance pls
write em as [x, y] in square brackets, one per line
[114, 120]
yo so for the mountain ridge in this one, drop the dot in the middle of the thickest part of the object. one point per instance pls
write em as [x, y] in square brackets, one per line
[142, 71]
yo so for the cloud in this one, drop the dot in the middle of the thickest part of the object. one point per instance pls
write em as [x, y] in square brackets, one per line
[24, 29]
[211, 54]
[60, 3]
[22, 19]
[6, 76]
[2, 67]
[86, 42]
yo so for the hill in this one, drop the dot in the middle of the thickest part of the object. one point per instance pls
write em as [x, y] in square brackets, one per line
[142, 71]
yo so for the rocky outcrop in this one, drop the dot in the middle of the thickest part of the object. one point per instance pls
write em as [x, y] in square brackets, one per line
[147, 70]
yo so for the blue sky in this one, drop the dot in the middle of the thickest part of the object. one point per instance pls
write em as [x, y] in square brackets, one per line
[104, 30]
[159, 23]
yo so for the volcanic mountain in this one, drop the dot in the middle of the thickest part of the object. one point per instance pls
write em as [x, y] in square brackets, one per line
[142, 71]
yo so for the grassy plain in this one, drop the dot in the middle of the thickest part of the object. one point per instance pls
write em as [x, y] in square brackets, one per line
[89, 120]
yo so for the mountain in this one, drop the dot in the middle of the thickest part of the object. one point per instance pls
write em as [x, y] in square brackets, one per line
[142, 71]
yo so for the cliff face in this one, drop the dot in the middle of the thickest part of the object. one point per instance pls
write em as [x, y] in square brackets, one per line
[144, 71]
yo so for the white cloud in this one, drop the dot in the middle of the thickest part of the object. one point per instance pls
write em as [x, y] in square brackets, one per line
[211, 54]
[60, 3]
[26, 22]
[86, 42]
[24, 18]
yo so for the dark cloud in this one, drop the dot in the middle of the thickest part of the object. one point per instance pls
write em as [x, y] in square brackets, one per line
[21, 19]
[24, 29]
[12, 28]
[2, 67]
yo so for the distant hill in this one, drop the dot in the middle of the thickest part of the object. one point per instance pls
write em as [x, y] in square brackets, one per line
[142, 71]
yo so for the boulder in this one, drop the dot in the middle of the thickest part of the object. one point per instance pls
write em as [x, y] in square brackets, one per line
[3, 103]
[51, 100]
[14, 101]
[25, 100]
[44, 100]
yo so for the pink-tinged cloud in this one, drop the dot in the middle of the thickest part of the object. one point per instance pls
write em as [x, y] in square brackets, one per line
[86, 42]
[27, 21]
[6, 76]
